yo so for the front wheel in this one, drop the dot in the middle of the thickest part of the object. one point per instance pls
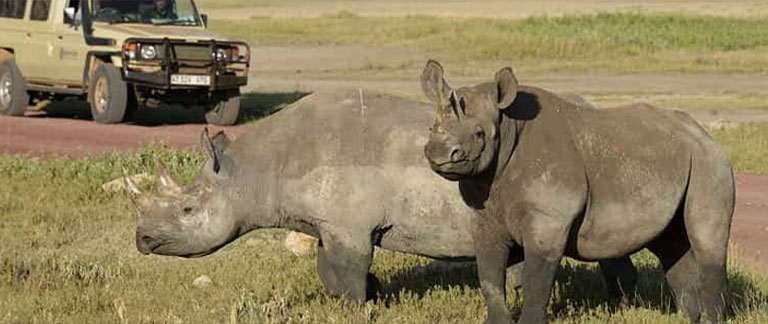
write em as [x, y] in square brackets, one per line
[224, 113]
[108, 95]
[13, 90]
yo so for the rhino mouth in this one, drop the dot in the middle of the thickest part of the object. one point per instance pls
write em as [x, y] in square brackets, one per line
[169, 248]
[453, 176]
[453, 171]
[150, 247]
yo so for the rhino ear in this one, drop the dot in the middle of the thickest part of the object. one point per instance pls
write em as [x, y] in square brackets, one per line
[433, 83]
[210, 146]
[506, 88]
[220, 141]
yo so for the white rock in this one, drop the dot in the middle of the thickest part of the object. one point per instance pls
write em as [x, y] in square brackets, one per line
[119, 183]
[299, 243]
[202, 281]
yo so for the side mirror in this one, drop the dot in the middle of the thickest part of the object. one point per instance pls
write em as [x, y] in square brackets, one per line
[204, 17]
[69, 15]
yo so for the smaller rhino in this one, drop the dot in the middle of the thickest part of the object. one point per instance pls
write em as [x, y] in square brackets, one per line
[560, 180]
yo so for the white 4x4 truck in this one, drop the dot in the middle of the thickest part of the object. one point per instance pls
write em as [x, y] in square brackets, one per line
[118, 54]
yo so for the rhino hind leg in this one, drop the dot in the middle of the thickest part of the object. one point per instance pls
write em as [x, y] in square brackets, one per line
[707, 213]
[677, 260]
[343, 268]
[680, 269]
[620, 277]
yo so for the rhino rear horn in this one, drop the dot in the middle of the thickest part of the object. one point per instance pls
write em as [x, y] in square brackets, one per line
[164, 177]
[129, 184]
[506, 88]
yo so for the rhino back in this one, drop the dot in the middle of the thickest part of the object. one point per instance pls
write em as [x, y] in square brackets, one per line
[358, 162]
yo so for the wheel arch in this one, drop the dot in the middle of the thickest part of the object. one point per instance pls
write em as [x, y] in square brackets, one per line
[92, 61]
[6, 54]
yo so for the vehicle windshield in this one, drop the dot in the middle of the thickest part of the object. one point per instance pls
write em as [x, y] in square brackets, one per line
[156, 12]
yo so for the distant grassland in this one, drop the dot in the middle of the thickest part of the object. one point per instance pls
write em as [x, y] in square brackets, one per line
[605, 42]
[217, 4]
[67, 255]
[746, 146]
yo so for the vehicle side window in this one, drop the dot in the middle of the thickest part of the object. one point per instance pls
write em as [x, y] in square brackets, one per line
[73, 5]
[40, 10]
[12, 8]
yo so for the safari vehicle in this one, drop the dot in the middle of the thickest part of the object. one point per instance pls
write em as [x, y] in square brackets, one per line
[118, 54]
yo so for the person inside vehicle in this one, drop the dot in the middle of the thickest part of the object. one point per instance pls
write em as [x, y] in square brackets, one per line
[163, 9]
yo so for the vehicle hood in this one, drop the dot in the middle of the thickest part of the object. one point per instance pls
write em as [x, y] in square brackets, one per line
[121, 32]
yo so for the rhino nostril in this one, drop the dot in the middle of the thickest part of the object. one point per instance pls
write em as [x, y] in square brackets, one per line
[456, 154]
[146, 239]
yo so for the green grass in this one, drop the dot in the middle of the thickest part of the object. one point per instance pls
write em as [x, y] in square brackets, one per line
[612, 42]
[747, 146]
[204, 5]
[67, 255]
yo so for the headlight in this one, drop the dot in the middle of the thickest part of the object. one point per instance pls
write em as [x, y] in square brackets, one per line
[221, 54]
[148, 52]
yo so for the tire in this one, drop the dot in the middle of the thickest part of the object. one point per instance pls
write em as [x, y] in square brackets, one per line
[13, 90]
[108, 95]
[224, 113]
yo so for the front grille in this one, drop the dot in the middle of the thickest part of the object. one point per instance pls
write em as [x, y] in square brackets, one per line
[192, 52]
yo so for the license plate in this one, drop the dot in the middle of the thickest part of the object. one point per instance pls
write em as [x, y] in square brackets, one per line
[186, 79]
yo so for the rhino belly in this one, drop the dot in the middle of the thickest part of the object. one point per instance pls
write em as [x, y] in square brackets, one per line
[437, 242]
[625, 221]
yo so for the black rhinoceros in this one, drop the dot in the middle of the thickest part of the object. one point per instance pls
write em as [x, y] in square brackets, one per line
[560, 180]
[346, 167]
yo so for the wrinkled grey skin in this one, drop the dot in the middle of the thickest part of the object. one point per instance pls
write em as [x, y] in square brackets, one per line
[349, 172]
[561, 180]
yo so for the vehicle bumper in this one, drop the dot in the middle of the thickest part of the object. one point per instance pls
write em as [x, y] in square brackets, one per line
[163, 80]
[223, 75]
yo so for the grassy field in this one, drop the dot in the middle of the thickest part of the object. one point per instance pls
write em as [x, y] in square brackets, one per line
[67, 255]
[605, 42]
[747, 146]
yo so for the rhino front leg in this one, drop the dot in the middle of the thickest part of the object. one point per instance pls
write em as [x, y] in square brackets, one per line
[342, 264]
[492, 254]
[544, 244]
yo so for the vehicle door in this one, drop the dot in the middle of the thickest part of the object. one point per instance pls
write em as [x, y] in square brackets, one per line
[69, 45]
[12, 23]
[34, 58]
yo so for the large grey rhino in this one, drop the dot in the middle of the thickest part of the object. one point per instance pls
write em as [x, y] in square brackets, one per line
[345, 167]
[560, 180]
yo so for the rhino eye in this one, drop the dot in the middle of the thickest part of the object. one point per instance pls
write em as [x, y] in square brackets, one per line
[479, 133]
[187, 210]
